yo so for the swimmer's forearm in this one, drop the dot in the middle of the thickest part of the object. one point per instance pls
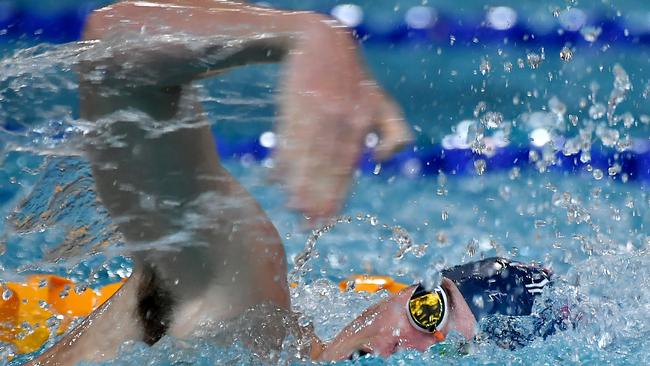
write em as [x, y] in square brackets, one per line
[208, 36]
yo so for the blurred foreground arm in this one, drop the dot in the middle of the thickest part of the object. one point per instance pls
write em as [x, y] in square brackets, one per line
[328, 103]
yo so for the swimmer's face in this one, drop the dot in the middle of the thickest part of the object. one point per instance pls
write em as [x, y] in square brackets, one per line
[384, 328]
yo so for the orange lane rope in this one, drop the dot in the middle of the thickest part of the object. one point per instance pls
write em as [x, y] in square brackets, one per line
[29, 309]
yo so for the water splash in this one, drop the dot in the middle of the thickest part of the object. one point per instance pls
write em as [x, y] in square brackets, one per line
[398, 235]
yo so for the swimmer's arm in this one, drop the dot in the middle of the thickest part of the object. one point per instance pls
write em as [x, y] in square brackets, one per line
[325, 83]
[178, 41]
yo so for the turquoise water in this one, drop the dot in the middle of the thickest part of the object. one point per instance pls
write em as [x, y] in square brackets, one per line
[437, 85]
[602, 260]
[592, 229]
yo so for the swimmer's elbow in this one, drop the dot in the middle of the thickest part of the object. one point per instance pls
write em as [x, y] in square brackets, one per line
[94, 27]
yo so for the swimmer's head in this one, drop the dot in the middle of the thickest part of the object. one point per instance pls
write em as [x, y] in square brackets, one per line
[392, 325]
[468, 293]
[499, 286]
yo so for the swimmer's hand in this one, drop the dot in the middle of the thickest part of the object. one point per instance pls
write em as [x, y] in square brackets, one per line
[328, 105]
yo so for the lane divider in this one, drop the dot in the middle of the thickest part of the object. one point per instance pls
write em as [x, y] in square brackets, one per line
[632, 165]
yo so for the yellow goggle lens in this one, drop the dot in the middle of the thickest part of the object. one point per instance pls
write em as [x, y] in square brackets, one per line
[427, 309]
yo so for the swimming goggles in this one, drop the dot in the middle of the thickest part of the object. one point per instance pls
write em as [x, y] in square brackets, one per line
[427, 310]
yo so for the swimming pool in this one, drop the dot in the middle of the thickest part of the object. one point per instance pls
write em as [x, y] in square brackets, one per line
[585, 220]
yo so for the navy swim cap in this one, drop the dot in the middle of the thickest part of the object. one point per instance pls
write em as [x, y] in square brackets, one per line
[498, 286]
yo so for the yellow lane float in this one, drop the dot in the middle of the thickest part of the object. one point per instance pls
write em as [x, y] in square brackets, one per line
[28, 310]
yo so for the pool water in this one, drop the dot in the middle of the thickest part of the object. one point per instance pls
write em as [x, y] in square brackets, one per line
[525, 216]
[592, 228]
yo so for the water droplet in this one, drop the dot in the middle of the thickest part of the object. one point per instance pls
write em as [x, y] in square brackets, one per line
[622, 81]
[374, 221]
[534, 60]
[597, 111]
[419, 250]
[27, 328]
[613, 170]
[268, 139]
[566, 54]
[571, 147]
[287, 236]
[539, 223]
[521, 63]
[80, 288]
[507, 66]
[479, 166]
[52, 322]
[485, 67]
[350, 285]
[492, 120]
[472, 247]
[478, 301]
[514, 252]
[452, 39]
[444, 215]
[628, 119]
[604, 340]
[590, 34]
[412, 167]
[608, 136]
[515, 173]
[7, 294]
[403, 240]
[598, 174]
[573, 119]
[372, 140]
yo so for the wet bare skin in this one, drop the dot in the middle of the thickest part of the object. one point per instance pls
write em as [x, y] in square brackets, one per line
[384, 328]
[234, 259]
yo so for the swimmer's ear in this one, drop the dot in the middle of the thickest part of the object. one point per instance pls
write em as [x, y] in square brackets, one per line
[394, 132]
[462, 320]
